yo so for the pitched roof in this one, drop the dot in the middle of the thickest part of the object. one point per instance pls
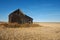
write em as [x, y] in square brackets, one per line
[19, 11]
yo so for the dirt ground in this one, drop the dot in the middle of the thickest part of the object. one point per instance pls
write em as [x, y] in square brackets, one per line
[47, 31]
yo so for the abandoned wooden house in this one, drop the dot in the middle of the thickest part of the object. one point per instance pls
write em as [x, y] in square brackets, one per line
[18, 17]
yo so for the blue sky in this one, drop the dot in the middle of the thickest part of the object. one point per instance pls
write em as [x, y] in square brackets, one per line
[39, 10]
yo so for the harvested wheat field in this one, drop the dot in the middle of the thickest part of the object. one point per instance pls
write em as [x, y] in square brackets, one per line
[46, 31]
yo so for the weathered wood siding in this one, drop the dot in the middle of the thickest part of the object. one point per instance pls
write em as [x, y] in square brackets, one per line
[19, 17]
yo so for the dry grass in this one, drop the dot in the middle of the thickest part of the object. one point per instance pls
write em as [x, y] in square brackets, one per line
[49, 31]
[16, 25]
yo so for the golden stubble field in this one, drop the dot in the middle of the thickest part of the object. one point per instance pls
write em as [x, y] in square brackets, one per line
[47, 31]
